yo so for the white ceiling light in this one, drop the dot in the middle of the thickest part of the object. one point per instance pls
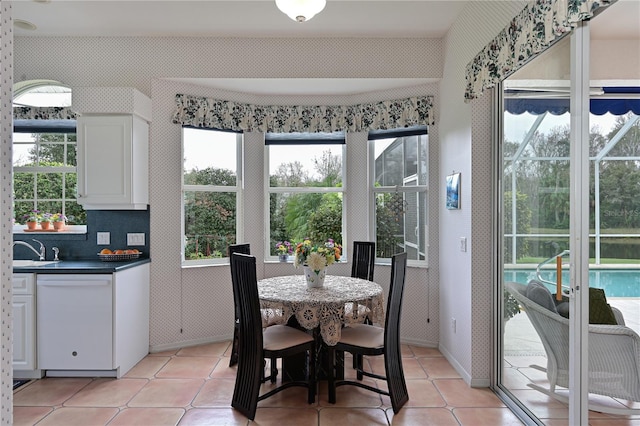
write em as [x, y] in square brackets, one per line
[301, 10]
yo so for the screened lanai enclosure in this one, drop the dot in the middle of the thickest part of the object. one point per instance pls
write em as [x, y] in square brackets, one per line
[536, 173]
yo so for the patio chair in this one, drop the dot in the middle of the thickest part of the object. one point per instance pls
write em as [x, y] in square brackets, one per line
[233, 359]
[256, 344]
[614, 353]
[372, 340]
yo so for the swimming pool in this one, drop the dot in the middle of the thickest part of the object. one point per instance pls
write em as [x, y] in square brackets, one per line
[614, 282]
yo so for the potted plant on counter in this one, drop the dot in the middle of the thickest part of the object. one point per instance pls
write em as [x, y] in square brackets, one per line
[45, 221]
[32, 219]
[59, 221]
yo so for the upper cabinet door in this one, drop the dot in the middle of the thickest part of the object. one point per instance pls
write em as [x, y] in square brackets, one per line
[113, 162]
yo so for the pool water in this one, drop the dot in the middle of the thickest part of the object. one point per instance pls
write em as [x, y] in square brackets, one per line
[614, 282]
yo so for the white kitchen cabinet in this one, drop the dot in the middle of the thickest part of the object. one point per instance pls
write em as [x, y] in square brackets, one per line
[24, 323]
[93, 324]
[113, 162]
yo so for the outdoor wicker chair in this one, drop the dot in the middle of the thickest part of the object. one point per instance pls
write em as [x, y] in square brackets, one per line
[614, 354]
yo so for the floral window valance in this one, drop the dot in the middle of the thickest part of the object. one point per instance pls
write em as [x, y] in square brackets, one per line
[539, 24]
[226, 115]
[44, 113]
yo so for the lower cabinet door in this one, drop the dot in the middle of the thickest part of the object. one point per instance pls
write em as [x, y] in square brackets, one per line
[74, 322]
[24, 332]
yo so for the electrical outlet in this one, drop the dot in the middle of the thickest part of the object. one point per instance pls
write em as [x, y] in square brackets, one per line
[104, 238]
[453, 324]
[463, 244]
[135, 239]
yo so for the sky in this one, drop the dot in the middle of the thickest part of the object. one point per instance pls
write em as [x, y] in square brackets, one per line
[516, 126]
[223, 154]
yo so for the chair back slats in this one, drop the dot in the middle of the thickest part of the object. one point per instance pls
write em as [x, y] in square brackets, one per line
[394, 373]
[250, 360]
[363, 260]
[393, 357]
[244, 248]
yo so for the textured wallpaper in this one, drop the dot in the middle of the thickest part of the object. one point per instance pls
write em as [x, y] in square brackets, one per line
[6, 209]
[194, 305]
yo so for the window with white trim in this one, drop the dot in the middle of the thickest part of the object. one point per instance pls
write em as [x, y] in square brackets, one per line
[399, 187]
[44, 157]
[211, 189]
[304, 190]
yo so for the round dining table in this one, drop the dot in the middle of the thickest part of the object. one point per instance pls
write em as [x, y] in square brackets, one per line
[341, 301]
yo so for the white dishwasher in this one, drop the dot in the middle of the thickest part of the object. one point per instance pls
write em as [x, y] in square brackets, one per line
[74, 321]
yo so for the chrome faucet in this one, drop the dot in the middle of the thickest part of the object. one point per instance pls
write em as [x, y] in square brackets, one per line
[40, 254]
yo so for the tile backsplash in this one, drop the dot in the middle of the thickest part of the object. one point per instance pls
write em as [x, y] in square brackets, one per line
[84, 246]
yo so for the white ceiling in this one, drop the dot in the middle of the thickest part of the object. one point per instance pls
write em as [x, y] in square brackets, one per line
[261, 18]
[237, 18]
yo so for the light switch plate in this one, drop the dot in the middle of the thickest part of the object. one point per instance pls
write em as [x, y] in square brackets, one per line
[135, 239]
[104, 238]
[463, 244]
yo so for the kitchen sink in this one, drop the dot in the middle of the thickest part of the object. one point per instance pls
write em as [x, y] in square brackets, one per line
[32, 263]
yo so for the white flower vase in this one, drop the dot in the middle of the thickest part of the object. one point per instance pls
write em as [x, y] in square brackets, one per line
[314, 279]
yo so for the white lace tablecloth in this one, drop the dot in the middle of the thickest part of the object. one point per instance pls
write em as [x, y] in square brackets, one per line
[342, 300]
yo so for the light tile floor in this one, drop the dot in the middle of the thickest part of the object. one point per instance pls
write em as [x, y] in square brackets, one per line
[193, 386]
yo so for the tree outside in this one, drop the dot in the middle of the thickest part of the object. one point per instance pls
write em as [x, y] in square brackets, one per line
[542, 178]
[43, 188]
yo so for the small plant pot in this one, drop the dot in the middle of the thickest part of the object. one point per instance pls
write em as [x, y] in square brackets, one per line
[32, 225]
[45, 225]
[58, 226]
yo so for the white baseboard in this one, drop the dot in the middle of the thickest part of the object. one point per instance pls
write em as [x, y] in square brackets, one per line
[420, 343]
[188, 343]
[81, 373]
[28, 374]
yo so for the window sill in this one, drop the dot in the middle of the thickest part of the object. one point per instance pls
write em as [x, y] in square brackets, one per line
[69, 229]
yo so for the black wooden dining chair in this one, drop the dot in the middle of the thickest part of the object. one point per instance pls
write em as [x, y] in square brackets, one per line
[362, 264]
[371, 340]
[256, 344]
[363, 259]
[245, 249]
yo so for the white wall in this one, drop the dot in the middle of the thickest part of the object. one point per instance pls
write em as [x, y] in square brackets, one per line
[6, 212]
[192, 305]
[465, 147]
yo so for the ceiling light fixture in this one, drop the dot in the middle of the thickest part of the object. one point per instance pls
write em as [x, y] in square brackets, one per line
[301, 10]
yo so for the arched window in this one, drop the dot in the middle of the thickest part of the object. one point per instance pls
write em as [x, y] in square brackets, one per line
[44, 152]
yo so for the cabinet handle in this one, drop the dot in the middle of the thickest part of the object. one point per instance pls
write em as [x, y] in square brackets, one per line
[73, 284]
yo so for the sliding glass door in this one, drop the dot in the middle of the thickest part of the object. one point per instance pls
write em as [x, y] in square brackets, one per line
[569, 168]
[536, 210]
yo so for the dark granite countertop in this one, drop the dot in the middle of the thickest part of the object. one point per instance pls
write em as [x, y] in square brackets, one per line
[81, 266]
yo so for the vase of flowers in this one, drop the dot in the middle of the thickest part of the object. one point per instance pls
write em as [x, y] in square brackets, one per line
[315, 258]
[284, 249]
[59, 221]
[315, 278]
